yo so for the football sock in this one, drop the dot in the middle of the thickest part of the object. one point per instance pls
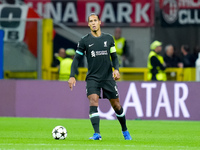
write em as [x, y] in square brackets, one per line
[122, 119]
[94, 118]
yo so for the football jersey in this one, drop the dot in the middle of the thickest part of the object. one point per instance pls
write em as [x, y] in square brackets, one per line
[97, 52]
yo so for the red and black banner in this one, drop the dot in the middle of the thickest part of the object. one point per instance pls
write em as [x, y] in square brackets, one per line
[75, 13]
[180, 12]
[20, 29]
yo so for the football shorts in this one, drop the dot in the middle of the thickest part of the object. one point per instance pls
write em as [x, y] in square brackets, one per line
[108, 87]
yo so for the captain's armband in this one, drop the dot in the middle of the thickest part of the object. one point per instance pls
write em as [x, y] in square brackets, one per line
[112, 49]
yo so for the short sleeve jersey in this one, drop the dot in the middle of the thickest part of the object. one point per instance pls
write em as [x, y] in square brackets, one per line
[97, 51]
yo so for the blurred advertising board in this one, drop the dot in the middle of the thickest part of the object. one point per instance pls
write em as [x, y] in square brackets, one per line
[180, 12]
[19, 23]
[14, 30]
[140, 100]
[138, 13]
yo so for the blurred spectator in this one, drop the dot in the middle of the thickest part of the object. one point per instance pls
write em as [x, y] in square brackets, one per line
[65, 65]
[171, 60]
[58, 57]
[196, 52]
[155, 63]
[121, 47]
[187, 59]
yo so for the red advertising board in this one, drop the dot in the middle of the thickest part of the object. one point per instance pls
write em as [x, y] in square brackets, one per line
[182, 4]
[122, 13]
[18, 31]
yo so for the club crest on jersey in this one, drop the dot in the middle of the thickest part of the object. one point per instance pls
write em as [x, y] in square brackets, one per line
[92, 53]
[105, 43]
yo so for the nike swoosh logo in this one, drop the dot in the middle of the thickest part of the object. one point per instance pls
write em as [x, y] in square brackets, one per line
[91, 45]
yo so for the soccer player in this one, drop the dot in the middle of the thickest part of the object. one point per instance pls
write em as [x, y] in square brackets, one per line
[98, 47]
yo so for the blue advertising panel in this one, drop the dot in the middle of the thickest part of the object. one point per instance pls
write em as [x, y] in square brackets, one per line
[1, 53]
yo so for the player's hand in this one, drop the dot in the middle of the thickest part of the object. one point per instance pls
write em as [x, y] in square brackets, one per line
[116, 75]
[71, 82]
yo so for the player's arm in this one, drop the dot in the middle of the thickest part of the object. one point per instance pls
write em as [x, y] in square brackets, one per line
[115, 62]
[74, 67]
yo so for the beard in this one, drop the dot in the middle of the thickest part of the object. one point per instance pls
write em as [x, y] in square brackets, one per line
[95, 30]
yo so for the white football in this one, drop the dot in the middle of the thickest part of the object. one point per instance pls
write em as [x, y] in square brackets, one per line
[59, 133]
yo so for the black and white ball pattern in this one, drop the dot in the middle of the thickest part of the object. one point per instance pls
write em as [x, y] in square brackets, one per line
[59, 133]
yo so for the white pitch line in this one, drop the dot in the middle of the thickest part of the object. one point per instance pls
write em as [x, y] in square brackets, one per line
[102, 145]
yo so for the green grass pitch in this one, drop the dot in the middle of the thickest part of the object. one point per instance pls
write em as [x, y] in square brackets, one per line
[35, 133]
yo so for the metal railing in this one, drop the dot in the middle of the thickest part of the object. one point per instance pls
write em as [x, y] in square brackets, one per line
[138, 74]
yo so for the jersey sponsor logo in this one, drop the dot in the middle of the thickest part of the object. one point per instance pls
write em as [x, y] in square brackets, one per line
[91, 45]
[101, 53]
[105, 43]
[98, 53]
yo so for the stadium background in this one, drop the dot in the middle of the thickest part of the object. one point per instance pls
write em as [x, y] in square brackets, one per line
[34, 30]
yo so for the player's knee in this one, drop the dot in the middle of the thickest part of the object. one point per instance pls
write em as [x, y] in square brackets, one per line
[93, 100]
[116, 106]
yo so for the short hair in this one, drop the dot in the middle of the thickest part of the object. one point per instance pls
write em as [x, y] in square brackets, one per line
[167, 46]
[196, 49]
[186, 48]
[92, 15]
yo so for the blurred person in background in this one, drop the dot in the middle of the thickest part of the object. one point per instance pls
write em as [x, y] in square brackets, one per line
[58, 57]
[65, 65]
[121, 47]
[171, 60]
[187, 58]
[196, 52]
[155, 63]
